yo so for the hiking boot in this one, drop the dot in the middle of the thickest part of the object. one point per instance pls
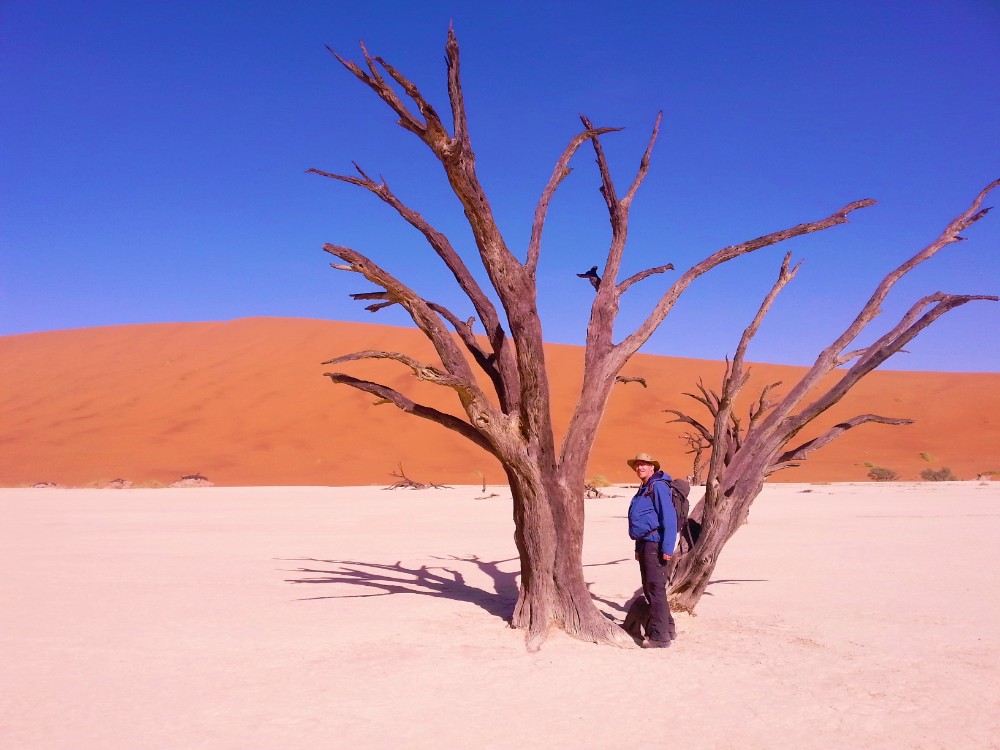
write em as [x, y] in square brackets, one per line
[649, 643]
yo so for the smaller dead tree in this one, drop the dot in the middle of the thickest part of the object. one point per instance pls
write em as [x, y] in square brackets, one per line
[697, 445]
[743, 455]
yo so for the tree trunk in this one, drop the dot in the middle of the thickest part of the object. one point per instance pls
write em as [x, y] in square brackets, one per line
[548, 532]
[721, 513]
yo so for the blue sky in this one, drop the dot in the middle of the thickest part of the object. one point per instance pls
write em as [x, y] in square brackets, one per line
[154, 159]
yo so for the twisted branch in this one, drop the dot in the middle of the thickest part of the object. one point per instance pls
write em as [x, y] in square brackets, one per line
[391, 395]
[789, 458]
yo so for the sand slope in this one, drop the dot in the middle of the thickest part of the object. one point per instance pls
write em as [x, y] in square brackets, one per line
[244, 403]
[232, 618]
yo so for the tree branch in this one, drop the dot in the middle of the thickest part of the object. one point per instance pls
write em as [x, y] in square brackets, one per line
[644, 162]
[384, 91]
[501, 369]
[603, 314]
[727, 441]
[763, 404]
[411, 407]
[422, 370]
[624, 286]
[901, 334]
[631, 343]
[428, 321]
[889, 344]
[457, 100]
[687, 419]
[799, 453]
[948, 236]
[559, 173]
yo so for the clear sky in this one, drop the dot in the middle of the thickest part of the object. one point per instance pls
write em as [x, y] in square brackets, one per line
[154, 153]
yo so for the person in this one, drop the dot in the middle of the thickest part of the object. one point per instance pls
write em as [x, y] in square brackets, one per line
[652, 523]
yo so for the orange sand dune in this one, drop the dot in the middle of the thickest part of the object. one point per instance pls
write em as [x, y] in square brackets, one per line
[244, 403]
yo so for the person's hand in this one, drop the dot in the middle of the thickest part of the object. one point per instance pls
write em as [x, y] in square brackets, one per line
[666, 556]
[636, 555]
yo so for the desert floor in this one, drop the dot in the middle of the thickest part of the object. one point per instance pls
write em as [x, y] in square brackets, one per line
[841, 616]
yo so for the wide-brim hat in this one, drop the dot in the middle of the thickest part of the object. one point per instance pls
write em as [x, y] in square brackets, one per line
[646, 458]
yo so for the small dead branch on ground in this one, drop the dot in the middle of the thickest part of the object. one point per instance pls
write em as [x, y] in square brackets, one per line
[406, 483]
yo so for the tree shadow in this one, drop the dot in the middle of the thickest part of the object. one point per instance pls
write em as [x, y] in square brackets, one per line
[731, 581]
[383, 579]
[623, 608]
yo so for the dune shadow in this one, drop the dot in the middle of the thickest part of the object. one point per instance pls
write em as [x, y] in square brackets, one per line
[445, 581]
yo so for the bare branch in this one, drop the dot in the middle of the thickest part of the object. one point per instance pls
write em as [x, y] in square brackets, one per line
[433, 130]
[687, 419]
[631, 344]
[486, 361]
[384, 91]
[369, 295]
[422, 370]
[607, 184]
[901, 334]
[846, 357]
[779, 421]
[708, 396]
[624, 286]
[799, 453]
[763, 404]
[625, 379]
[644, 162]
[502, 369]
[411, 407]
[908, 326]
[948, 236]
[559, 173]
[784, 276]
[426, 319]
[457, 100]
[728, 441]
[602, 315]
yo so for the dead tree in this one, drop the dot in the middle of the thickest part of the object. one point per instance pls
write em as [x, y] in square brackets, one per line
[515, 423]
[696, 444]
[743, 456]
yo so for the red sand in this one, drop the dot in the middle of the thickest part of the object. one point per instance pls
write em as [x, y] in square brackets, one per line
[244, 403]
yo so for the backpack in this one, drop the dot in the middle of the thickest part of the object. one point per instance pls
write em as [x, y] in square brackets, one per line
[687, 528]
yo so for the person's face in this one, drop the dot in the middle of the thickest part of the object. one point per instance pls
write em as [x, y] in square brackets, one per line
[643, 470]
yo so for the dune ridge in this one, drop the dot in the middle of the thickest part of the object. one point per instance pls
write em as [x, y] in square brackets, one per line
[244, 402]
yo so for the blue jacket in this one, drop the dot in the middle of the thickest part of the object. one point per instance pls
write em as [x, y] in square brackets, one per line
[651, 516]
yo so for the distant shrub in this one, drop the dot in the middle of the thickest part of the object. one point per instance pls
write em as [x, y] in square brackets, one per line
[926, 456]
[881, 474]
[599, 481]
[941, 475]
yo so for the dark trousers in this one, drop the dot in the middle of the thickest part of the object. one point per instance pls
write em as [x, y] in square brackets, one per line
[655, 572]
